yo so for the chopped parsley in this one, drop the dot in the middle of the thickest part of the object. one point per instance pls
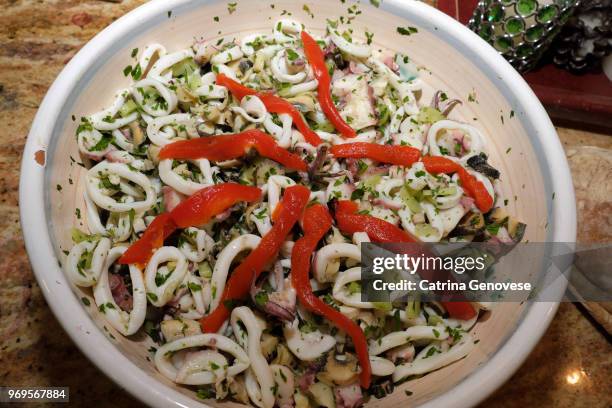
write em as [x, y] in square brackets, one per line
[357, 194]
[261, 298]
[431, 352]
[102, 144]
[307, 10]
[455, 333]
[102, 308]
[205, 393]
[493, 229]
[407, 30]
[361, 166]
[84, 126]
[136, 72]
[194, 287]
[292, 55]
[274, 389]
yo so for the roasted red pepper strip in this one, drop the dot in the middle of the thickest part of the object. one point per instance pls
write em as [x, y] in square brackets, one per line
[195, 210]
[235, 87]
[273, 104]
[276, 104]
[316, 223]
[472, 186]
[142, 250]
[459, 310]
[378, 230]
[381, 231]
[199, 208]
[227, 147]
[399, 155]
[287, 213]
[316, 59]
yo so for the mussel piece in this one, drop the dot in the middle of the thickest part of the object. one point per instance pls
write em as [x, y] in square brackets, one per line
[322, 394]
[153, 153]
[340, 369]
[268, 344]
[517, 231]
[138, 135]
[515, 228]
[283, 355]
[238, 391]
[303, 102]
[498, 216]
[479, 163]
[204, 129]
[178, 328]
[471, 224]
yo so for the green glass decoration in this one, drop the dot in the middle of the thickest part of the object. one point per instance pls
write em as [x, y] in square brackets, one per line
[521, 30]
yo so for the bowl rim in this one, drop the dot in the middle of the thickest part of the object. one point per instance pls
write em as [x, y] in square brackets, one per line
[99, 349]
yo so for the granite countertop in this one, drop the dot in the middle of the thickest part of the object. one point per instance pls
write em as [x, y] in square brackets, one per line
[570, 367]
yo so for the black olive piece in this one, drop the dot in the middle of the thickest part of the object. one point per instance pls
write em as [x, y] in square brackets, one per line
[245, 65]
[339, 60]
[225, 128]
[479, 163]
[205, 69]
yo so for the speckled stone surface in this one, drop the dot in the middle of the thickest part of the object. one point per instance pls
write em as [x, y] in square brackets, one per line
[570, 367]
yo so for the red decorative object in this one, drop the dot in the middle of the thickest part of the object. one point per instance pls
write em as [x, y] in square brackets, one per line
[583, 101]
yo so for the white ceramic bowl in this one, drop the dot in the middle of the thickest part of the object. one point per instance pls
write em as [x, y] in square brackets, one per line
[459, 62]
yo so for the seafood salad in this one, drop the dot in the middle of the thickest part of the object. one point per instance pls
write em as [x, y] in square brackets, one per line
[228, 190]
